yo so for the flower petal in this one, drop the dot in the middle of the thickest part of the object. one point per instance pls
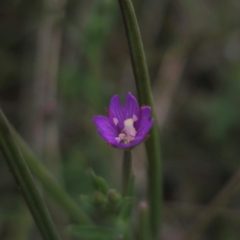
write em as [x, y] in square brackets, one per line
[110, 128]
[134, 143]
[131, 107]
[144, 117]
[145, 123]
[105, 128]
[116, 111]
[144, 129]
[138, 140]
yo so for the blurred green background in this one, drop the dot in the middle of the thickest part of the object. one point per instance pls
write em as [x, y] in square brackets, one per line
[62, 61]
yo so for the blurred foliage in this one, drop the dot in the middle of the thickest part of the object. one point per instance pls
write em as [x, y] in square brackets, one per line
[200, 136]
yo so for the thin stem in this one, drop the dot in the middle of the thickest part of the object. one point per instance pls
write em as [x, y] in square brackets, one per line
[50, 184]
[145, 97]
[143, 227]
[25, 181]
[126, 172]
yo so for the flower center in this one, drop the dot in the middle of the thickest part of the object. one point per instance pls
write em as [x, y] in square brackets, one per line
[129, 132]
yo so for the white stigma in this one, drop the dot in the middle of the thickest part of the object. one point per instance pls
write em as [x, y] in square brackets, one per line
[129, 132]
[129, 128]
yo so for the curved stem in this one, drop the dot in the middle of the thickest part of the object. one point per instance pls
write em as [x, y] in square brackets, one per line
[126, 172]
[145, 98]
[25, 181]
[50, 184]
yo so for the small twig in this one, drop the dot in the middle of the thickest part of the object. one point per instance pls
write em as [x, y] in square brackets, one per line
[126, 172]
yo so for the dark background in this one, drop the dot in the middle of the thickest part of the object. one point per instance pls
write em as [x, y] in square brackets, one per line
[60, 64]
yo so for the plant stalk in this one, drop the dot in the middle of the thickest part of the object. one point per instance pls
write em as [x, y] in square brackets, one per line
[25, 181]
[126, 172]
[143, 227]
[145, 98]
[50, 184]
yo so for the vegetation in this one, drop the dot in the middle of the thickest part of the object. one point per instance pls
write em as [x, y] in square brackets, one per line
[62, 61]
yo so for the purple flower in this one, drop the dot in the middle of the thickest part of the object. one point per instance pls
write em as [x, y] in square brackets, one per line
[124, 127]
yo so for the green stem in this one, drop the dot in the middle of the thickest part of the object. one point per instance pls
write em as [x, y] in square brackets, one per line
[145, 97]
[143, 222]
[50, 184]
[126, 172]
[25, 181]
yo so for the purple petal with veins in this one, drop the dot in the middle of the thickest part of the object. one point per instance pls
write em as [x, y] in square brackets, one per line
[127, 126]
[131, 107]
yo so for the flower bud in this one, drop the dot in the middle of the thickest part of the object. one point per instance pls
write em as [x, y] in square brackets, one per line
[98, 198]
[113, 196]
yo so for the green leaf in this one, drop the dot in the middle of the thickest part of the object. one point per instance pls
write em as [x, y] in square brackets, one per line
[99, 183]
[25, 182]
